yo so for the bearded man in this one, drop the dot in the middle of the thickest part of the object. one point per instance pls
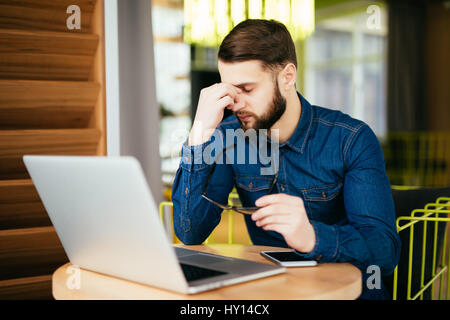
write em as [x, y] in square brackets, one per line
[329, 197]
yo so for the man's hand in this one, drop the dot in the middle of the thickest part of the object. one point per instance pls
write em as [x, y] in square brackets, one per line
[286, 215]
[211, 105]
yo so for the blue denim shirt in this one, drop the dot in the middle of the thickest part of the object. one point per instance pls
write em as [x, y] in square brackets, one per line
[333, 162]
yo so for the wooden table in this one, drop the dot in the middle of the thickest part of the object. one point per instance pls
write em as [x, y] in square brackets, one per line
[325, 281]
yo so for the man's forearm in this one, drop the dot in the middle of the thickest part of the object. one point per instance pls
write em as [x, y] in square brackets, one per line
[190, 210]
[194, 217]
[360, 246]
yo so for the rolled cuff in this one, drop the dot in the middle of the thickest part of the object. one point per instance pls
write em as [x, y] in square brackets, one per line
[326, 246]
[192, 156]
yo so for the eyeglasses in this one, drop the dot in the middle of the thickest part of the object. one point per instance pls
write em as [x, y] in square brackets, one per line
[243, 210]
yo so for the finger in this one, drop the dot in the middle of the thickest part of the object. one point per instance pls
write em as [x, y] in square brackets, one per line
[280, 228]
[225, 102]
[218, 90]
[273, 219]
[274, 209]
[278, 198]
[224, 89]
[232, 87]
[268, 199]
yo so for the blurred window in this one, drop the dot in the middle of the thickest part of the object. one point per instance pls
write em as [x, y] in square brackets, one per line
[345, 67]
[173, 86]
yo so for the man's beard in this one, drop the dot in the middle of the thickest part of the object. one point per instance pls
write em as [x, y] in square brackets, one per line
[276, 110]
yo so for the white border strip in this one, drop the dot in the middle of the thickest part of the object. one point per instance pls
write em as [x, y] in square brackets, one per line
[112, 78]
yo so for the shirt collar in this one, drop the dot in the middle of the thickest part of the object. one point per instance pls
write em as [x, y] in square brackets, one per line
[297, 141]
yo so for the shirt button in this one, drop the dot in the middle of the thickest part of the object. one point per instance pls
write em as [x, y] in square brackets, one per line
[186, 191]
[324, 195]
[250, 185]
[282, 188]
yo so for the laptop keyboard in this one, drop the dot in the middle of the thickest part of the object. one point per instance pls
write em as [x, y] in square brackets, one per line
[193, 273]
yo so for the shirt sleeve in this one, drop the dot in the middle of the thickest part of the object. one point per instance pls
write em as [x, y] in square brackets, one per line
[370, 237]
[194, 217]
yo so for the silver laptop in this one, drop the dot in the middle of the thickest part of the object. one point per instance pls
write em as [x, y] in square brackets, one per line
[105, 216]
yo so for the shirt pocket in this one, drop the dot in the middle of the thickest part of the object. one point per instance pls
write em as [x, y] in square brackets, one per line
[322, 203]
[250, 188]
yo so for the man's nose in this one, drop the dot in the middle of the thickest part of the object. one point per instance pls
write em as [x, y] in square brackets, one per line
[239, 103]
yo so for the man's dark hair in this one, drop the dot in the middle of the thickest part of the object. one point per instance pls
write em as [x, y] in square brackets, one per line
[268, 41]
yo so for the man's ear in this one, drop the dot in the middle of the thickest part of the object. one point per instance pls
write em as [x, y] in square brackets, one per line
[288, 77]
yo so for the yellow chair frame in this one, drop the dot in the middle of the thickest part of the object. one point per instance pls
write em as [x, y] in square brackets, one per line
[430, 213]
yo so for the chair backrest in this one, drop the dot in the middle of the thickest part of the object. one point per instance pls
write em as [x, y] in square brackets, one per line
[406, 201]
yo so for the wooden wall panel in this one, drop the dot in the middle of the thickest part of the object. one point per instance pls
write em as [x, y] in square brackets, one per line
[98, 74]
[21, 206]
[45, 66]
[52, 101]
[43, 15]
[16, 143]
[30, 252]
[46, 104]
[39, 287]
[47, 42]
